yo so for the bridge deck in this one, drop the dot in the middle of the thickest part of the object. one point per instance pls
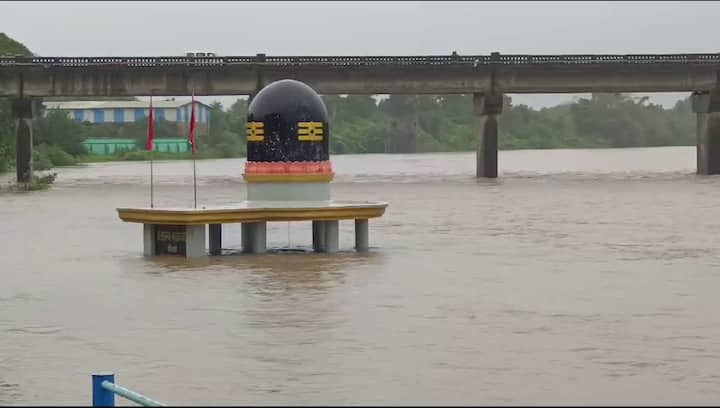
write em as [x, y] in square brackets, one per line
[365, 75]
[493, 59]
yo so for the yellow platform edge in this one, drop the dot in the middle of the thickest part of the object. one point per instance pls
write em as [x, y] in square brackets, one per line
[228, 216]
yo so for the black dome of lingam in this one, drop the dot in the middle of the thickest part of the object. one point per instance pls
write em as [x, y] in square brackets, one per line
[287, 121]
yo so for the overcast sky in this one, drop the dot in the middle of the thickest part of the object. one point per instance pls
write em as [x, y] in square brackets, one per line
[364, 28]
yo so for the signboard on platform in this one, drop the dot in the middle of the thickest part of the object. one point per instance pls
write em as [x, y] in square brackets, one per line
[170, 240]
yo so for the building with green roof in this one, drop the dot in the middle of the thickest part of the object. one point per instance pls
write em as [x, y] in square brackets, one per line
[111, 146]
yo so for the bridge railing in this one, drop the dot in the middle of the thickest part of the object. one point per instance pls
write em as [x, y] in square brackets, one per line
[104, 390]
[493, 59]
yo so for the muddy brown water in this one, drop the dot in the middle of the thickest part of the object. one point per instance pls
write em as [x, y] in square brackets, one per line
[578, 276]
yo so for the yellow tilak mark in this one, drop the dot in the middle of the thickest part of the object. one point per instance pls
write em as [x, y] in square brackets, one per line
[255, 131]
[310, 131]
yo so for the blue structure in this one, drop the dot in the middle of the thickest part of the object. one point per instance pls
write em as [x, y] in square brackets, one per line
[100, 112]
[98, 115]
[112, 113]
[104, 390]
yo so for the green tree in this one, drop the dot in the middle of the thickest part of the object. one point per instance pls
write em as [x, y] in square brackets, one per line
[8, 46]
[55, 128]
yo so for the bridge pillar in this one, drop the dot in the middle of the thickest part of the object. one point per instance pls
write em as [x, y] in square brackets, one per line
[259, 82]
[22, 108]
[707, 108]
[487, 107]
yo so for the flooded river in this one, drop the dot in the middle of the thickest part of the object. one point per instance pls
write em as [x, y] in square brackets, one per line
[578, 276]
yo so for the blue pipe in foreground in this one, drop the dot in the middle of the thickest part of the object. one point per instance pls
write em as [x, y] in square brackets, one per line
[104, 390]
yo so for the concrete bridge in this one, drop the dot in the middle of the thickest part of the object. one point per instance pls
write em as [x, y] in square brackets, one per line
[487, 77]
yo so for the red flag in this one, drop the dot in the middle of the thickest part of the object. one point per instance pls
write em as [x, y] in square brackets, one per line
[151, 130]
[191, 137]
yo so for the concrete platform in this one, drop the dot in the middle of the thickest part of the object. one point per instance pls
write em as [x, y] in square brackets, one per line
[256, 211]
[181, 231]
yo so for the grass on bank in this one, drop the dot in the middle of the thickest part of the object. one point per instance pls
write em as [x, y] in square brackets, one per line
[38, 182]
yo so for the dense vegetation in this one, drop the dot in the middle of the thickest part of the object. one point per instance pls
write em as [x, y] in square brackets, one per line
[361, 124]
[447, 123]
[8, 46]
[396, 124]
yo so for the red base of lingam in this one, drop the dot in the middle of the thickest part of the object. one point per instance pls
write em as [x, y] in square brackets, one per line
[306, 167]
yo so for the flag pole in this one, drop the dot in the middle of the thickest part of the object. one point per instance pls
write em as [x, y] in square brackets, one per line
[191, 139]
[149, 146]
[152, 204]
[150, 143]
[194, 181]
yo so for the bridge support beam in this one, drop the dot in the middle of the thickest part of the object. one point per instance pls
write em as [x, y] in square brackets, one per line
[22, 108]
[259, 83]
[487, 107]
[707, 108]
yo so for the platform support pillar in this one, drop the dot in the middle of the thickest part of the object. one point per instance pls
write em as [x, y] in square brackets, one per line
[215, 238]
[149, 240]
[245, 232]
[254, 237]
[318, 236]
[362, 235]
[195, 241]
[331, 236]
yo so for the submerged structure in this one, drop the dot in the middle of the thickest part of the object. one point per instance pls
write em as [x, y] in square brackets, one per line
[287, 173]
